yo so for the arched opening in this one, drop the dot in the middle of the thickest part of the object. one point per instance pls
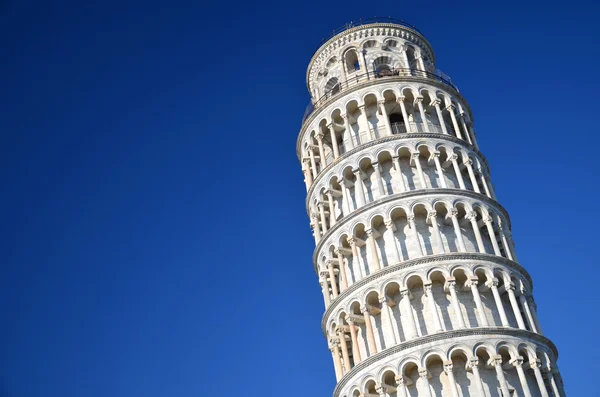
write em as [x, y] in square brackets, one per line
[351, 61]
[332, 87]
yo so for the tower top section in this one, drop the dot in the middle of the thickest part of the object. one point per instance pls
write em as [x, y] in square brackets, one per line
[374, 45]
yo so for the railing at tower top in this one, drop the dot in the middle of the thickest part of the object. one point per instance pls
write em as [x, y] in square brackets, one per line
[367, 21]
[355, 79]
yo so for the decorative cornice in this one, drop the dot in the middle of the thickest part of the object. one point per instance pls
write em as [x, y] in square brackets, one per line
[392, 138]
[439, 258]
[500, 331]
[421, 193]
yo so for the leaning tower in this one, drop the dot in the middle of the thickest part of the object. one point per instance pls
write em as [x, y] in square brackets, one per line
[424, 294]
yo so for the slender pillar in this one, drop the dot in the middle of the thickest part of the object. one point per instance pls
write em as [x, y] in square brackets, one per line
[437, 324]
[313, 163]
[451, 379]
[404, 113]
[536, 365]
[440, 171]
[485, 185]
[488, 223]
[480, 310]
[506, 245]
[465, 129]
[415, 234]
[316, 227]
[424, 375]
[345, 355]
[556, 390]
[451, 283]
[325, 290]
[450, 110]
[417, 161]
[334, 142]
[454, 216]
[321, 206]
[473, 365]
[307, 173]
[348, 131]
[419, 102]
[436, 103]
[405, 58]
[390, 227]
[319, 137]
[472, 216]
[373, 248]
[363, 112]
[437, 233]
[334, 288]
[396, 161]
[353, 337]
[510, 288]
[359, 191]
[377, 170]
[410, 318]
[342, 266]
[335, 352]
[386, 320]
[355, 260]
[370, 334]
[401, 386]
[469, 165]
[527, 310]
[518, 364]
[386, 120]
[332, 219]
[493, 285]
[496, 361]
[346, 204]
[461, 182]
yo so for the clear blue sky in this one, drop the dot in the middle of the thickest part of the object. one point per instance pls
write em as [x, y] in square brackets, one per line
[154, 238]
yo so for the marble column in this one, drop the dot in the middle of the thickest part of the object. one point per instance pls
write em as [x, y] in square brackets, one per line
[451, 284]
[480, 309]
[437, 324]
[451, 379]
[353, 337]
[440, 171]
[411, 332]
[459, 237]
[510, 289]
[536, 365]
[493, 285]
[386, 120]
[370, 333]
[518, 364]
[373, 248]
[473, 365]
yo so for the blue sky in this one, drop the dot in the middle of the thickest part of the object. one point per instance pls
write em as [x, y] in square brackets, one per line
[155, 241]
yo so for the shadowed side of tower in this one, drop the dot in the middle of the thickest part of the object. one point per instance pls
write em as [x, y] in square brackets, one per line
[423, 291]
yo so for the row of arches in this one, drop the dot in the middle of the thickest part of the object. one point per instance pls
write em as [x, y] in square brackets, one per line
[360, 248]
[367, 60]
[375, 115]
[369, 176]
[506, 368]
[420, 303]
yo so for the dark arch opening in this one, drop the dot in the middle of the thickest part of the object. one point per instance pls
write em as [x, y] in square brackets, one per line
[397, 123]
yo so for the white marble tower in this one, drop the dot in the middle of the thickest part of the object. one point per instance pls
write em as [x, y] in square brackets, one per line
[423, 292]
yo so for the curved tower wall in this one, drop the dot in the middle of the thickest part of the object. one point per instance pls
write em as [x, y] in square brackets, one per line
[423, 292]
